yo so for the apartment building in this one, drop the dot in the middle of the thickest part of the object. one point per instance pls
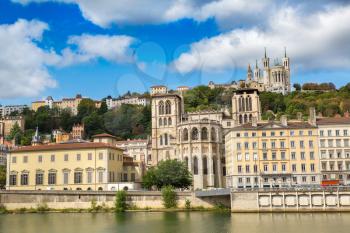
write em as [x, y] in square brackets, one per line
[65, 166]
[8, 109]
[334, 136]
[134, 100]
[138, 149]
[272, 154]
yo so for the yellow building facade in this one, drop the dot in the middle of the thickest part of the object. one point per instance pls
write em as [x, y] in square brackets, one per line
[272, 154]
[66, 166]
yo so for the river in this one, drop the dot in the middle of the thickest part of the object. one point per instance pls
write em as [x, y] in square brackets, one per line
[181, 222]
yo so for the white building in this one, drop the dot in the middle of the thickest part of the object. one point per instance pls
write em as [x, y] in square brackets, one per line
[8, 109]
[139, 149]
[115, 103]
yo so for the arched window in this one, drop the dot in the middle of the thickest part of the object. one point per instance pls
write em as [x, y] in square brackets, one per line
[250, 108]
[239, 104]
[247, 104]
[245, 118]
[195, 166]
[250, 117]
[243, 104]
[194, 134]
[213, 134]
[205, 165]
[161, 140]
[240, 119]
[214, 165]
[186, 161]
[169, 121]
[204, 133]
[165, 121]
[167, 107]
[160, 122]
[185, 135]
[161, 108]
[166, 139]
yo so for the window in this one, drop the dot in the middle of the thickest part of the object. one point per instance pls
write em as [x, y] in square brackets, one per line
[246, 145]
[39, 178]
[25, 159]
[89, 156]
[313, 178]
[293, 155]
[239, 169]
[100, 177]
[303, 179]
[311, 144]
[274, 167]
[125, 178]
[100, 156]
[312, 167]
[272, 134]
[266, 168]
[301, 144]
[310, 133]
[52, 158]
[89, 177]
[239, 157]
[329, 132]
[238, 146]
[247, 169]
[254, 134]
[282, 144]
[194, 134]
[204, 133]
[205, 166]
[65, 178]
[264, 134]
[40, 159]
[337, 133]
[132, 179]
[273, 144]
[283, 167]
[240, 180]
[301, 133]
[13, 179]
[292, 144]
[247, 157]
[52, 178]
[302, 155]
[78, 157]
[312, 155]
[24, 179]
[281, 133]
[321, 133]
[66, 157]
[255, 146]
[273, 155]
[264, 156]
[294, 179]
[78, 177]
[238, 135]
[345, 132]
[283, 155]
[264, 145]
[303, 169]
[292, 133]
[255, 168]
[245, 134]
[255, 156]
[294, 167]
[228, 123]
[195, 166]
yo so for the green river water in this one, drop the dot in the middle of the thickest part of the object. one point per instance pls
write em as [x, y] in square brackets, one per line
[201, 222]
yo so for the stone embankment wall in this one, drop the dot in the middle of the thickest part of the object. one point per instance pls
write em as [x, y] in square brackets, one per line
[82, 199]
[290, 201]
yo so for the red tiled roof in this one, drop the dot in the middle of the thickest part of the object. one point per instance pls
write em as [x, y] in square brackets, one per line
[333, 120]
[103, 135]
[65, 146]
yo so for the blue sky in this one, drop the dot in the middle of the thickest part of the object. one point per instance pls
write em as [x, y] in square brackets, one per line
[100, 48]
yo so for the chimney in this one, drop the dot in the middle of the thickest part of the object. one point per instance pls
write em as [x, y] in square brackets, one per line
[346, 114]
[254, 122]
[299, 116]
[312, 116]
[284, 120]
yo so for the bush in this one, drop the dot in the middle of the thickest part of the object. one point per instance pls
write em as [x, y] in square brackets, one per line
[169, 197]
[187, 204]
[94, 207]
[120, 201]
[3, 209]
[42, 207]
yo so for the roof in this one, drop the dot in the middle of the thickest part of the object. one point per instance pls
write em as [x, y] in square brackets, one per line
[65, 146]
[275, 125]
[103, 135]
[157, 86]
[333, 121]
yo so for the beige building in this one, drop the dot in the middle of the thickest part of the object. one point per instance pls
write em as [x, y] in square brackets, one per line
[7, 123]
[65, 103]
[138, 149]
[69, 166]
[334, 136]
[272, 154]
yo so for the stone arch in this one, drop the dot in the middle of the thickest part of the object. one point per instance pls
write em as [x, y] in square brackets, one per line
[185, 134]
[213, 134]
[161, 107]
[204, 133]
[195, 165]
[194, 134]
[168, 107]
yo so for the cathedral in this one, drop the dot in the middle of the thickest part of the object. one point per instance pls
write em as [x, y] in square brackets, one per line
[197, 138]
[271, 78]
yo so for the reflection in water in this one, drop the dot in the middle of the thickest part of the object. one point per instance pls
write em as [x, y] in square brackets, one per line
[182, 222]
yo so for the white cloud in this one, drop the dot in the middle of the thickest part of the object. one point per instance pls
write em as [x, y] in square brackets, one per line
[23, 64]
[106, 12]
[90, 47]
[319, 40]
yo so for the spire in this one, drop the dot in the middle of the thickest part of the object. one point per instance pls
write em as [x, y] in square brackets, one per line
[36, 137]
[249, 68]
[265, 52]
[256, 64]
[285, 51]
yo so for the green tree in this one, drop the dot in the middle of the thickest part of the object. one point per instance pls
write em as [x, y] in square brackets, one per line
[103, 108]
[93, 124]
[15, 134]
[169, 197]
[297, 86]
[85, 108]
[149, 179]
[120, 201]
[169, 172]
[2, 177]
